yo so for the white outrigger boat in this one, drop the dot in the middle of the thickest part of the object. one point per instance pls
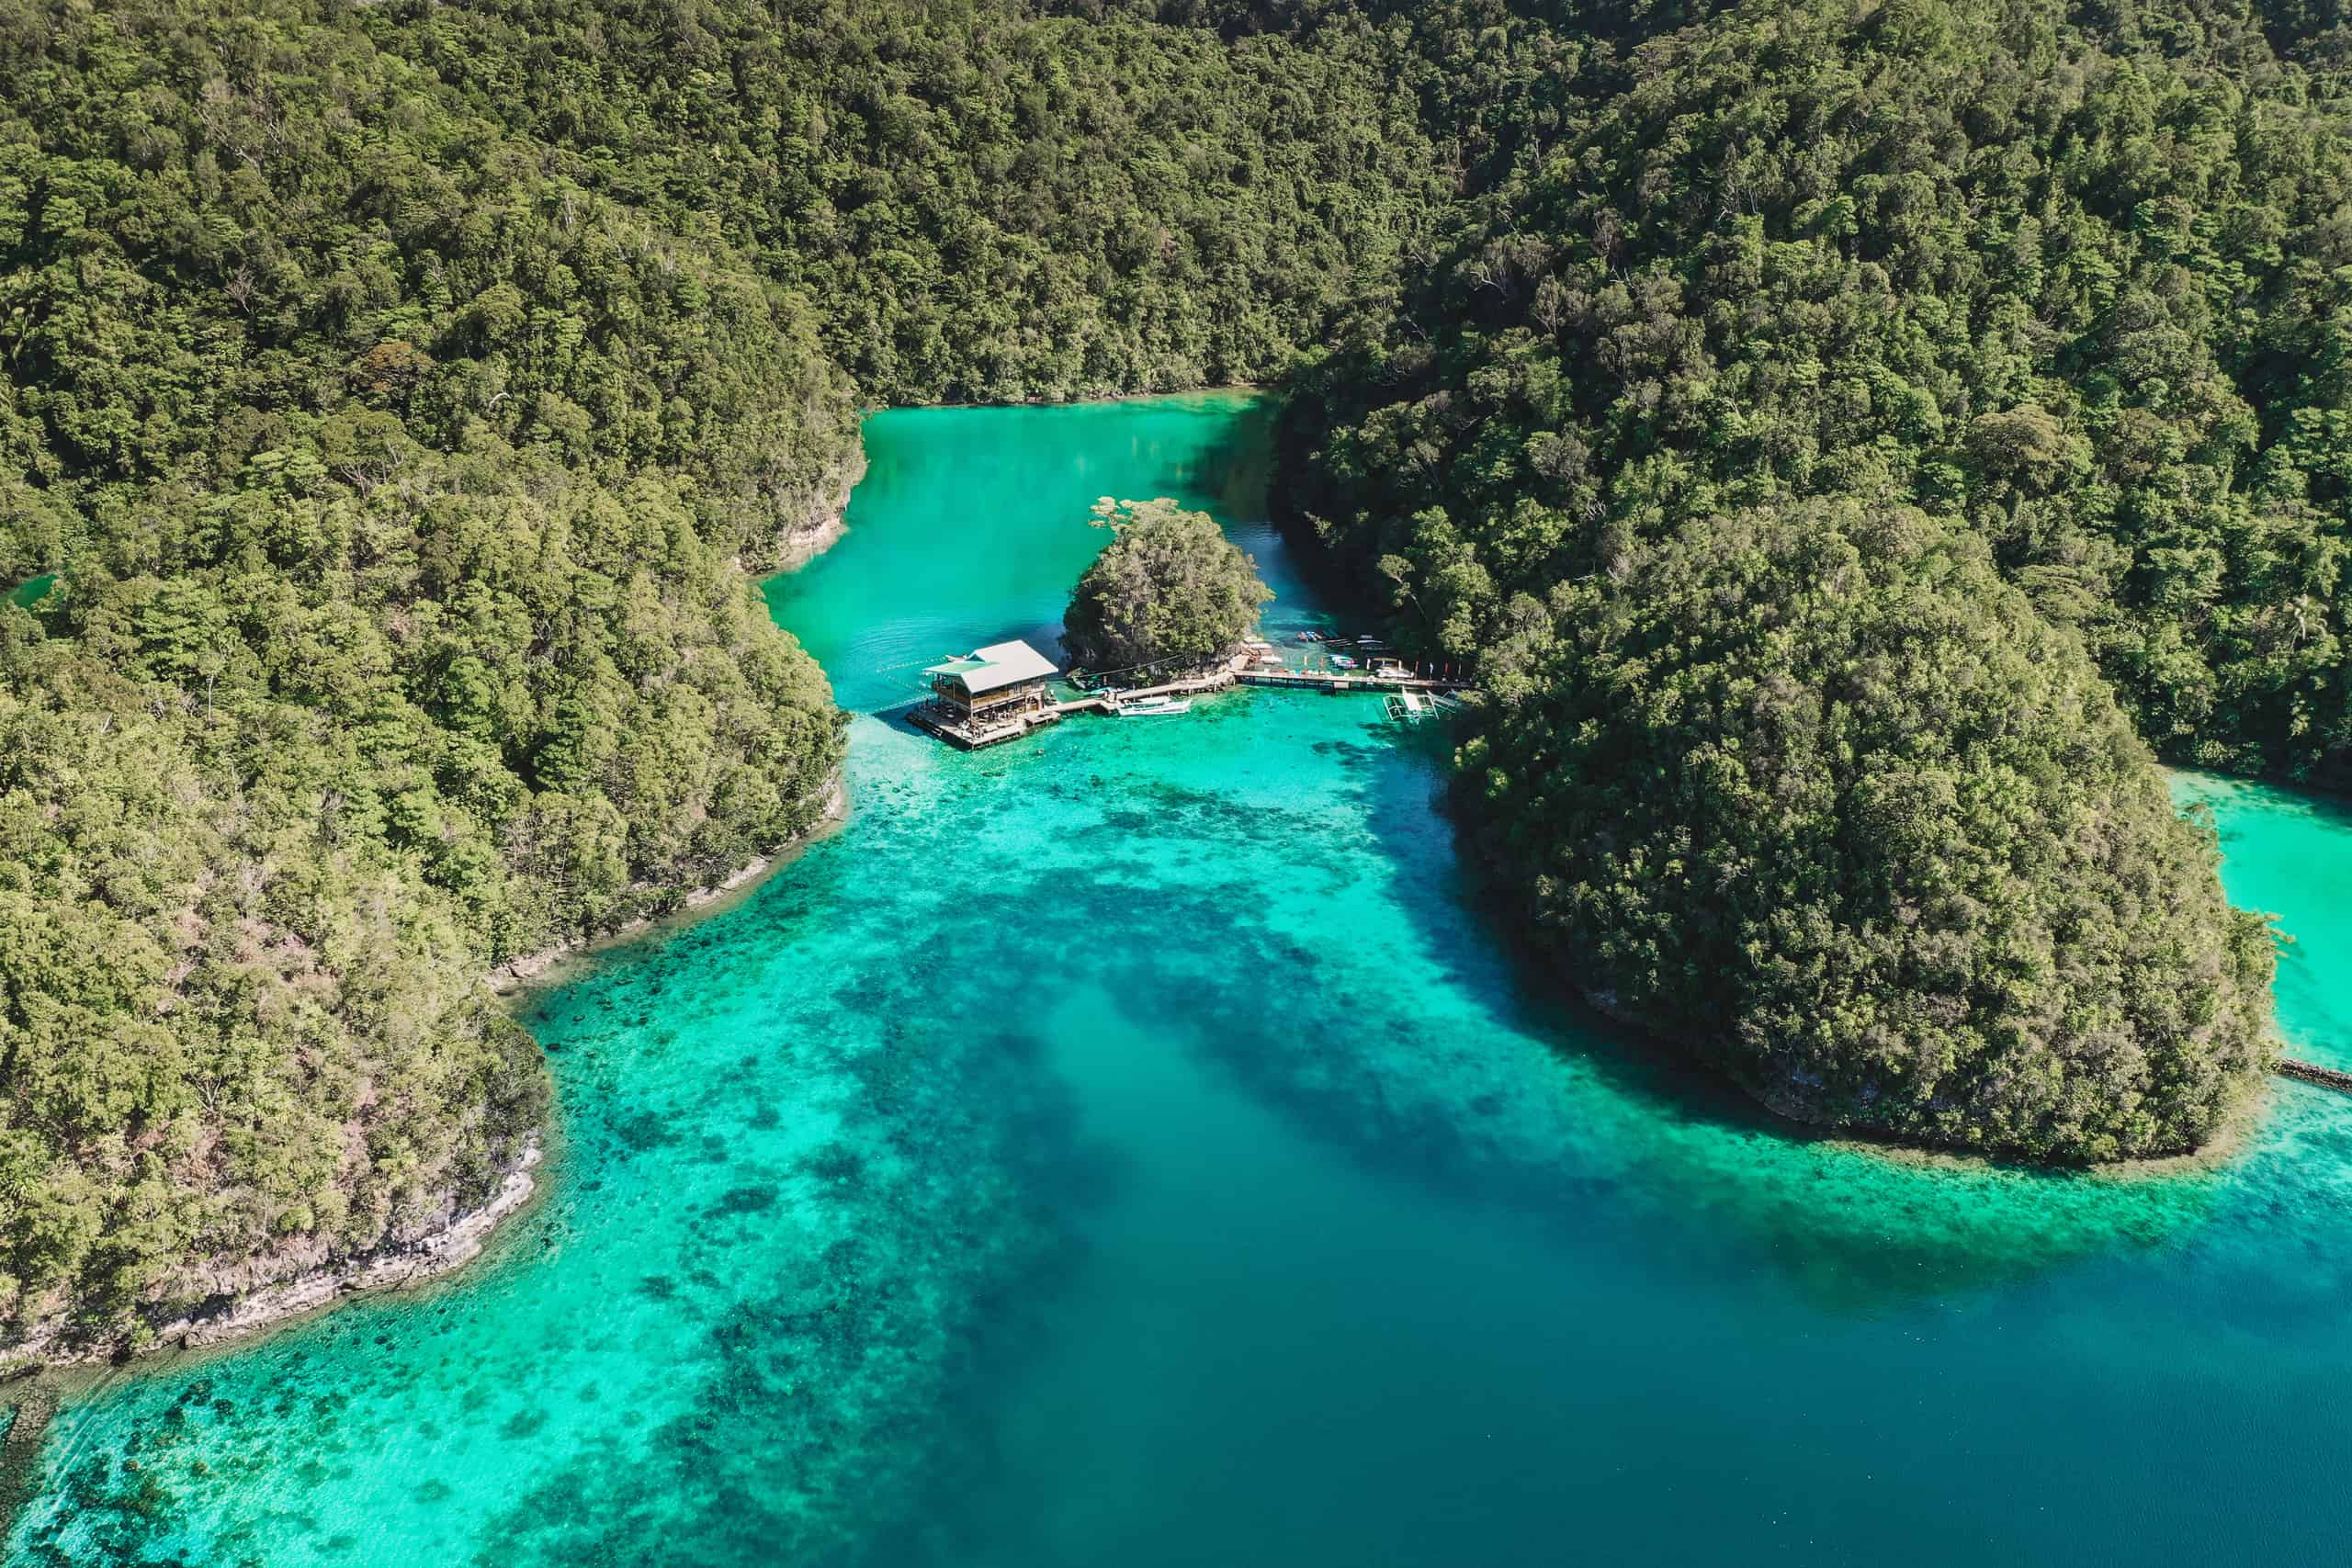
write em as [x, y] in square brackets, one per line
[1152, 708]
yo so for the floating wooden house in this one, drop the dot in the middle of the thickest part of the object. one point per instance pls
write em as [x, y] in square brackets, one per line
[994, 694]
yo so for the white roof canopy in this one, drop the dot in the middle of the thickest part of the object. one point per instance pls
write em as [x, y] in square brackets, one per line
[997, 666]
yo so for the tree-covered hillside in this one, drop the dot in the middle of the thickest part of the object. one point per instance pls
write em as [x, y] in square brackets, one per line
[2083, 285]
[2072, 282]
[394, 480]
[1812, 788]
[985, 201]
[1168, 590]
[401, 394]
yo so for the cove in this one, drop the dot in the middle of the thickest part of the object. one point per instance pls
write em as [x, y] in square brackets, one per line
[1135, 1145]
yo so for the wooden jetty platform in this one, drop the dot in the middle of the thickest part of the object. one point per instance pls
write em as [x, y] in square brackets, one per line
[1247, 675]
[1112, 701]
[2312, 1072]
[974, 725]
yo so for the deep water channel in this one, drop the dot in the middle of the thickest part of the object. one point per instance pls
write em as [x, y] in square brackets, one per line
[1130, 1147]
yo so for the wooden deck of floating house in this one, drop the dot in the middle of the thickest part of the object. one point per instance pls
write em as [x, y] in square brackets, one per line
[972, 737]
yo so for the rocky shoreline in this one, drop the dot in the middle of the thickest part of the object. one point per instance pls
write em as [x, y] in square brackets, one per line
[823, 519]
[233, 1315]
[385, 1269]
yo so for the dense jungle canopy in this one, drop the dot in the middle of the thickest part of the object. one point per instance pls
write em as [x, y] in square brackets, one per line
[1818, 773]
[2074, 280]
[1168, 590]
[403, 394]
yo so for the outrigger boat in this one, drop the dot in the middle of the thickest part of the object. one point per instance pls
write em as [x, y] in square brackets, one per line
[1152, 708]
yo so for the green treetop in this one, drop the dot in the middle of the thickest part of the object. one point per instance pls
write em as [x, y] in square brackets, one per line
[1171, 587]
[1813, 790]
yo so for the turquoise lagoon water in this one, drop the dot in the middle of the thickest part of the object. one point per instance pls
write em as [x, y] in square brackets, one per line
[1133, 1146]
[2285, 856]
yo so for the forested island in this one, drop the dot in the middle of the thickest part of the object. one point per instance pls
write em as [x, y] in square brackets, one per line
[1169, 588]
[1854, 442]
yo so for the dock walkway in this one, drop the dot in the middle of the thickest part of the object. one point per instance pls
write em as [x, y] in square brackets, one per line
[1295, 680]
[1350, 680]
[1242, 671]
[1110, 702]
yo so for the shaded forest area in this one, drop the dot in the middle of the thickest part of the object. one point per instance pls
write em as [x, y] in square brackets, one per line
[2074, 285]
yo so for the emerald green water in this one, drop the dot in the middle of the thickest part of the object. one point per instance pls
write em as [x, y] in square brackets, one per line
[1131, 1147]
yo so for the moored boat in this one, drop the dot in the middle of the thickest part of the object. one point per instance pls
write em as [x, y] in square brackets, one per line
[1152, 708]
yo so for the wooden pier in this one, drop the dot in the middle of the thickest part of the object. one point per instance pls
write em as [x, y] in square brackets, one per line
[1293, 679]
[2312, 1072]
[1350, 680]
[972, 731]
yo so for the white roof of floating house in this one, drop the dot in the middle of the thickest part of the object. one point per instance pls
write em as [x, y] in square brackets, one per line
[997, 666]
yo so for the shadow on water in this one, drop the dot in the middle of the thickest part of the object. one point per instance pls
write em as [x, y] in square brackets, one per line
[1232, 478]
[1702, 1167]
[1228, 474]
